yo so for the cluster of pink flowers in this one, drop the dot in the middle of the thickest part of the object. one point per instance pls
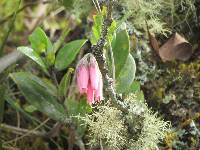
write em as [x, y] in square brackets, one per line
[89, 79]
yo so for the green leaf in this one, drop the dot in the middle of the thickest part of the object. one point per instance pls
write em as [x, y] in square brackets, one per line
[33, 55]
[64, 83]
[15, 106]
[120, 49]
[111, 31]
[52, 89]
[127, 75]
[84, 107]
[135, 87]
[96, 28]
[68, 53]
[29, 108]
[40, 42]
[50, 58]
[76, 107]
[38, 95]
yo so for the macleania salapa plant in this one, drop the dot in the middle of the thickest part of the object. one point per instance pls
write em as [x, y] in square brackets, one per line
[119, 120]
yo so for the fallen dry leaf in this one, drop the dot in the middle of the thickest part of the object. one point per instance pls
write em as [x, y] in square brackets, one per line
[176, 47]
[154, 42]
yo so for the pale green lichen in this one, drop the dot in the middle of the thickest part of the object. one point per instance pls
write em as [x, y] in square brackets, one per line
[106, 125]
[160, 15]
[148, 129]
[153, 130]
[81, 8]
[141, 129]
[149, 11]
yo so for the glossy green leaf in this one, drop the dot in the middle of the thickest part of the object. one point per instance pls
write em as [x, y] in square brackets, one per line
[32, 54]
[126, 75]
[38, 95]
[39, 41]
[120, 49]
[68, 53]
[64, 83]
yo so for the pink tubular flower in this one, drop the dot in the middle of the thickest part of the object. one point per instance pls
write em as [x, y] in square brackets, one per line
[82, 78]
[99, 91]
[94, 73]
[90, 94]
[89, 79]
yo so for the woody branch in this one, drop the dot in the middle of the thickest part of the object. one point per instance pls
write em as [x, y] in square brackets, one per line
[97, 50]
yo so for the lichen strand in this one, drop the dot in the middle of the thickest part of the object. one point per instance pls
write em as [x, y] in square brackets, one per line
[156, 12]
[107, 125]
[153, 130]
[149, 11]
[141, 129]
[148, 129]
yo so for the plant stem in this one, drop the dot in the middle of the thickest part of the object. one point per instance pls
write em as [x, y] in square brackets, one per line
[20, 131]
[97, 50]
[112, 61]
[27, 132]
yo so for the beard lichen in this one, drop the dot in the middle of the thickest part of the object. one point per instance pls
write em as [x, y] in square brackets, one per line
[106, 125]
[146, 129]
[141, 129]
[153, 130]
